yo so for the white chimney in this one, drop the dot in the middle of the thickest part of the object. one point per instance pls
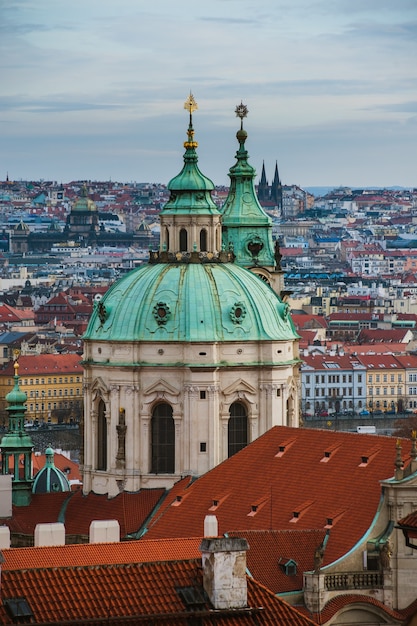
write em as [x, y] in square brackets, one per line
[211, 527]
[104, 531]
[224, 571]
[49, 534]
[5, 496]
[4, 537]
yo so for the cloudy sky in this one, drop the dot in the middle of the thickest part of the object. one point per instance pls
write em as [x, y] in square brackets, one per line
[94, 89]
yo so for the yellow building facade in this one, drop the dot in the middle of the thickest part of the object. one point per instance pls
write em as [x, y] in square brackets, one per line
[53, 384]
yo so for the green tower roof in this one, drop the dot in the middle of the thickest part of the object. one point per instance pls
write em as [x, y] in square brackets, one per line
[16, 446]
[246, 226]
[190, 189]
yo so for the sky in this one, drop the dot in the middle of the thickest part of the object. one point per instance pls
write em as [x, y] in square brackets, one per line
[95, 89]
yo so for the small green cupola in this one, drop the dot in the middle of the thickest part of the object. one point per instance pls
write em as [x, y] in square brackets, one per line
[190, 220]
[50, 479]
[247, 229]
[16, 446]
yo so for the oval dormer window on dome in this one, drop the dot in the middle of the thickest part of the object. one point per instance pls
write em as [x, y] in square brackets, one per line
[161, 313]
[238, 313]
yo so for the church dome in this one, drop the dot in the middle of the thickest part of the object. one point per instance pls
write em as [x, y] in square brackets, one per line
[201, 302]
[50, 479]
[21, 227]
[84, 204]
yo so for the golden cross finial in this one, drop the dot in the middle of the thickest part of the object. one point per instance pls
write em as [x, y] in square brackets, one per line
[190, 104]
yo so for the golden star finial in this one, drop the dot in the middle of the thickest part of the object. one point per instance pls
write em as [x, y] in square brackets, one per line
[241, 111]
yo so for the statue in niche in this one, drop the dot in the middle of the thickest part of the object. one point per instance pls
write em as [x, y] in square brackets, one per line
[277, 256]
[385, 555]
[121, 436]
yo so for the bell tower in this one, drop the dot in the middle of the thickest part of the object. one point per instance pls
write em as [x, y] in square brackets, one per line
[190, 220]
[247, 229]
[16, 446]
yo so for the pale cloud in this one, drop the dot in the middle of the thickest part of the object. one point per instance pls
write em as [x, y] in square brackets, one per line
[93, 81]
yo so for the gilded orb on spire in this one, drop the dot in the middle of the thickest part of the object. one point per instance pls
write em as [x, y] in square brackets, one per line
[16, 354]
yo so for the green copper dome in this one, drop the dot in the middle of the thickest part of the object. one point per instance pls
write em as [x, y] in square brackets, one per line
[201, 302]
[50, 479]
[84, 204]
[16, 397]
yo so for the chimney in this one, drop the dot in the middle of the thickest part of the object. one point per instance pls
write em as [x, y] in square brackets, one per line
[211, 527]
[5, 496]
[4, 537]
[52, 534]
[224, 571]
[104, 531]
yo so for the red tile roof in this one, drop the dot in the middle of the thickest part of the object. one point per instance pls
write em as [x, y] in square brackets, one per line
[322, 361]
[44, 364]
[283, 469]
[308, 322]
[284, 545]
[92, 554]
[383, 335]
[78, 587]
[374, 348]
[78, 511]
[9, 314]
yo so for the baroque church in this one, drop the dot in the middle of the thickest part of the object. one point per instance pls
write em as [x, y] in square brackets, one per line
[193, 355]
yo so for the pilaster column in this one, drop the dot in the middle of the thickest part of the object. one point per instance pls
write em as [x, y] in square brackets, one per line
[179, 447]
[189, 431]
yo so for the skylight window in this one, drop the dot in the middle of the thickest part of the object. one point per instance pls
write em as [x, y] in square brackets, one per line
[193, 597]
[18, 610]
[332, 366]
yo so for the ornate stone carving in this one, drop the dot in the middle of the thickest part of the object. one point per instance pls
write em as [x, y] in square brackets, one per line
[121, 437]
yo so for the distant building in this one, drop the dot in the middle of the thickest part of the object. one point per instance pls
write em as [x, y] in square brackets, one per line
[53, 385]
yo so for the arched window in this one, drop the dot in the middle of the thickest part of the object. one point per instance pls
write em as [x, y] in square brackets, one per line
[237, 428]
[101, 437]
[183, 240]
[167, 238]
[203, 240]
[163, 440]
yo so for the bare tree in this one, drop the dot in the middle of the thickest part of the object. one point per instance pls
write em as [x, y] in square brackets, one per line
[405, 426]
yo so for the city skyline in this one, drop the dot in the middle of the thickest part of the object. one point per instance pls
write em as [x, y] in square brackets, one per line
[96, 90]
